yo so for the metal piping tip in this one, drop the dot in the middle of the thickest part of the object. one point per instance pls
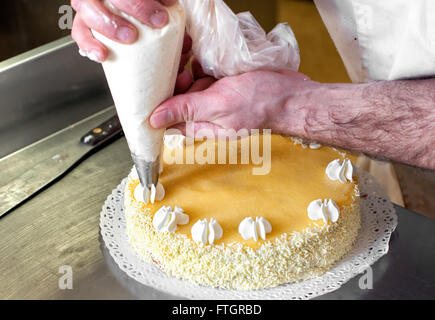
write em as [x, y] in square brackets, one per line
[148, 172]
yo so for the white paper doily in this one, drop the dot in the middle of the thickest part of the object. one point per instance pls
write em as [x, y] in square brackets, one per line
[378, 221]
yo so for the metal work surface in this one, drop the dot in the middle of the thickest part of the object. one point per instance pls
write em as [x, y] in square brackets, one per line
[29, 170]
[45, 90]
[60, 227]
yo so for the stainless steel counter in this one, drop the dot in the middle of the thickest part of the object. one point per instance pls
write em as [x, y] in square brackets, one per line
[60, 226]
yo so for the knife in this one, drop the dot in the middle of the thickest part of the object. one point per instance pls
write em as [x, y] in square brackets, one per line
[28, 171]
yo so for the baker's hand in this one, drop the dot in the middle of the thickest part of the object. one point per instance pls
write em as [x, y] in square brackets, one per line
[92, 14]
[254, 100]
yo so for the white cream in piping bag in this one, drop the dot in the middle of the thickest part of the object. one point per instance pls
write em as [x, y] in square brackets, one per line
[141, 76]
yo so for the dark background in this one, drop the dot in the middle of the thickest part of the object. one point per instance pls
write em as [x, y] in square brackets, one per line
[27, 24]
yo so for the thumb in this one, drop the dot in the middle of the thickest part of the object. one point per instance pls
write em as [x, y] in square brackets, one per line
[193, 106]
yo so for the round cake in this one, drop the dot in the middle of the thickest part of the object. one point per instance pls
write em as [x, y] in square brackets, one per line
[245, 219]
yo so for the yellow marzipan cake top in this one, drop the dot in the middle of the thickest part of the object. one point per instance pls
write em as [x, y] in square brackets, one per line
[230, 192]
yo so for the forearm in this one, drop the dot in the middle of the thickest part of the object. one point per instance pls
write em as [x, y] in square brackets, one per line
[394, 120]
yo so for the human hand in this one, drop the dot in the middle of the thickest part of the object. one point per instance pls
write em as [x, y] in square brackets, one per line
[386, 119]
[254, 100]
[93, 14]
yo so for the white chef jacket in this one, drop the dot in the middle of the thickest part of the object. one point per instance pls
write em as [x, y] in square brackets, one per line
[382, 40]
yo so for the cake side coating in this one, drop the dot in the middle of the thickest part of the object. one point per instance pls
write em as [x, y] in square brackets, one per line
[291, 257]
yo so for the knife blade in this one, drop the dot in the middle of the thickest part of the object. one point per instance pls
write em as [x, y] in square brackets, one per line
[28, 171]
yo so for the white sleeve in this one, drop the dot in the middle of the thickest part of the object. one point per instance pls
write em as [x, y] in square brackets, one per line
[382, 40]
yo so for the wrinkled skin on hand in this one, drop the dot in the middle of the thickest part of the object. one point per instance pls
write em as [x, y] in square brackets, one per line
[93, 14]
[253, 100]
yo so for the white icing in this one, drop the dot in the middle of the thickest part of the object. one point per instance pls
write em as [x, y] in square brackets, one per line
[156, 193]
[174, 141]
[250, 229]
[342, 171]
[326, 210]
[133, 173]
[305, 144]
[315, 145]
[203, 231]
[167, 220]
[141, 76]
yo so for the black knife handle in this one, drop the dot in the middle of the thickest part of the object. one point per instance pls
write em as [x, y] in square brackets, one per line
[104, 132]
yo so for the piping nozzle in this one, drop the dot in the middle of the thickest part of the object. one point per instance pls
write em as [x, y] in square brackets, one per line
[148, 172]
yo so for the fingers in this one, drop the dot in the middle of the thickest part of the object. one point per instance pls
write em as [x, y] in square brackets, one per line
[88, 45]
[193, 106]
[184, 80]
[197, 70]
[183, 61]
[149, 12]
[295, 74]
[185, 54]
[168, 2]
[93, 14]
[196, 129]
[96, 16]
[187, 43]
[202, 84]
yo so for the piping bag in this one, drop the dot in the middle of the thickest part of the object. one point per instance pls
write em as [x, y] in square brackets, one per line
[142, 75]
